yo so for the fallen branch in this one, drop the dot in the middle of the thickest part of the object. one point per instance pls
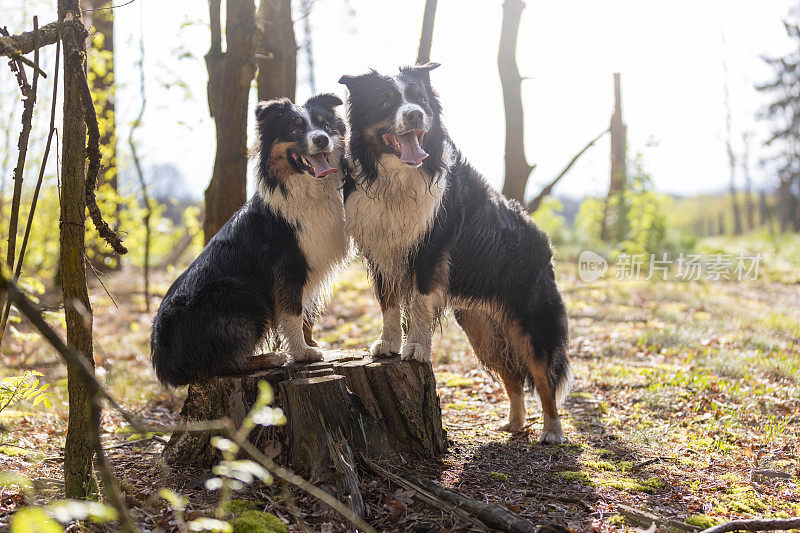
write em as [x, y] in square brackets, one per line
[422, 494]
[644, 519]
[756, 525]
[533, 205]
[93, 154]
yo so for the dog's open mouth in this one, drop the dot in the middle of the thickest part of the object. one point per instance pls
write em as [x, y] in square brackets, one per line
[315, 164]
[407, 146]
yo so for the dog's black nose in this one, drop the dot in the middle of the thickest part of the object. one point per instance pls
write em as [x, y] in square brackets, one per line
[321, 141]
[413, 117]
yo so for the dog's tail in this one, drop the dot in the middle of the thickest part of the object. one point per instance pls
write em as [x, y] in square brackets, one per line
[549, 330]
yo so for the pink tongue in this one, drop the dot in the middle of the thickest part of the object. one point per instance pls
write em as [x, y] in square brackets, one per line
[320, 164]
[410, 150]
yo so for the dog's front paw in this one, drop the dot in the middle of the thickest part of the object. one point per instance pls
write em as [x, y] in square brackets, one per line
[384, 348]
[551, 431]
[512, 427]
[307, 355]
[416, 352]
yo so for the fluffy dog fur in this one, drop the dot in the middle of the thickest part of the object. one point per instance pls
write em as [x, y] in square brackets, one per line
[434, 234]
[267, 267]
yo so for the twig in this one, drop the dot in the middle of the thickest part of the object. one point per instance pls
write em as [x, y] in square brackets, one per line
[422, 494]
[93, 154]
[34, 201]
[129, 2]
[534, 204]
[756, 525]
[299, 482]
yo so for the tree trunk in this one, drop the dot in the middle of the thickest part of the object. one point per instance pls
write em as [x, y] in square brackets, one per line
[764, 215]
[517, 168]
[102, 84]
[79, 478]
[750, 206]
[380, 406]
[277, 50]
[426, 37]
[612, 227]
[229, 77]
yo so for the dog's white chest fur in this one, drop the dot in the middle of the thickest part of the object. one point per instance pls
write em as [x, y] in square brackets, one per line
[314, 207]
[391, 217]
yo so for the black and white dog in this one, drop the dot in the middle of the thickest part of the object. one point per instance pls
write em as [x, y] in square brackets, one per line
[269, 265]
[435, 234]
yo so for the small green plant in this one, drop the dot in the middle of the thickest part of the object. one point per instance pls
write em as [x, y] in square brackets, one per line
[24, 388]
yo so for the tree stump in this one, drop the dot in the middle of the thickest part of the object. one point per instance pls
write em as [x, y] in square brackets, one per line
[379, 407]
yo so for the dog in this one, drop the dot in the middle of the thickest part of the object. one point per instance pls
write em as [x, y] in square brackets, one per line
[434, 234]
[266, 270]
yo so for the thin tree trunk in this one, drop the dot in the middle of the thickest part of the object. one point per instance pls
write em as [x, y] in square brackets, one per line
[277, 50]
[308, 45]
[78, 454]
[229, 77]
[737, 215]
[517, 168]
[426, 37]
[148, 209]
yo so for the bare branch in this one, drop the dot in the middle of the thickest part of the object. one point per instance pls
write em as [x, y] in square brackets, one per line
[534, 204]
[35, 199]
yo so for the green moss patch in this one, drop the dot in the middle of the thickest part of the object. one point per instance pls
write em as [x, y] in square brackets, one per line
[258, 522]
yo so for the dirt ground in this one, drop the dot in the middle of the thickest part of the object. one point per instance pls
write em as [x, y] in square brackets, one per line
[686, 404]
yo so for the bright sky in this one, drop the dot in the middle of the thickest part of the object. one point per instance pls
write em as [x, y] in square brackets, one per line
[670, 56]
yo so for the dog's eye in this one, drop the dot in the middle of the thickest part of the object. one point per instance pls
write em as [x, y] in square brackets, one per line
[297, 131]
[385, 104]
[423, 100]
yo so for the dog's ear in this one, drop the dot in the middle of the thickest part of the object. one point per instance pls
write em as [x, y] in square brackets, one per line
[327, 100]
[268, 109]
[353, 81]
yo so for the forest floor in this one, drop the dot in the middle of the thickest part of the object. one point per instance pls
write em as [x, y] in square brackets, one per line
[686, 404]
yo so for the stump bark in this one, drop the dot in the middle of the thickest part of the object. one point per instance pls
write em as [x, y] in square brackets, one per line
[380, 407]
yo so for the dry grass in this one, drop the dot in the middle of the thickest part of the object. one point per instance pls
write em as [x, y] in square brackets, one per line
[687, 404]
